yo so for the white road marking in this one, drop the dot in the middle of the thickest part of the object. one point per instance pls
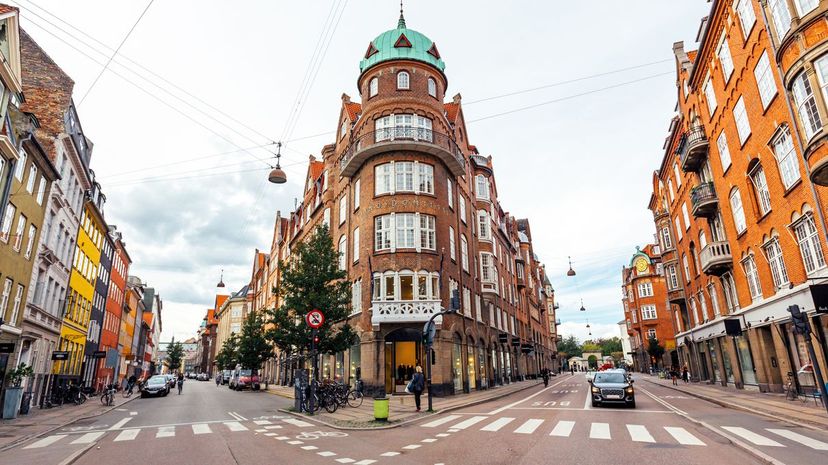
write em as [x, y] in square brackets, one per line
[271, 434]
[88, 438]
[428, 440]
[299, 423]
[240, 416]
[121, 423]
[389, 454]
[412, 447]
[497, 424]
[563, 429]
[133, 413]
[293, 443]
[588, 401]
[261, 430]
[165, 432]
[309, 447]
[453, 430]
[440, 421]
[262, 422]
[273, 427]
[365, 462]
[600, 431]
[235, 426]
[45, 441]
[468, 422]
[345, 460]
[639, 433]
[683, 436]
[283, 438]
[796, 437]
[530, 426]
[507, 407]
[234, 415]
[201, 428]
[757, 439]
[442, 435]
[127, 435]
[326, 454]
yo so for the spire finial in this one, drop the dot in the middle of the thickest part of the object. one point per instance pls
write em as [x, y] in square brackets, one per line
[401, 23]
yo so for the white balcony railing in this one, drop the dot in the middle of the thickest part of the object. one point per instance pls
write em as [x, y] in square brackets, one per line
[405, 311]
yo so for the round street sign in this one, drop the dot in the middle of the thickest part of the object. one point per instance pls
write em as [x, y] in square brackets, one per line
[315, 318]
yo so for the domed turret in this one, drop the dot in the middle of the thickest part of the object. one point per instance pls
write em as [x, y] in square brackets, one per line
[401, 44]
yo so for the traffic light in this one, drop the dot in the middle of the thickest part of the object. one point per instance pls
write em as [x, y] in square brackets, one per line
[315, 340]
[799, 320]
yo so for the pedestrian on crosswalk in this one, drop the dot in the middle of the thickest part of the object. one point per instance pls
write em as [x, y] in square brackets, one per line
[417, 385]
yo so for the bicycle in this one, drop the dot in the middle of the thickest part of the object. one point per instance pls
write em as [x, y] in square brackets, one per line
[322, 398]
[108, 396]
[355, 395]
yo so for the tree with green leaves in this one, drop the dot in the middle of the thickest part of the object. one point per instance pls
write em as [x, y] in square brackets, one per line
[228, 356]
[655, 350]
[253, 347]
[570, 346]
[311, 279]
[175, 353]
[610, 345]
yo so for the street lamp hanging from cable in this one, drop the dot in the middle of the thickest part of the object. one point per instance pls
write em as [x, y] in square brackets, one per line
[571, 272]
[277, 176]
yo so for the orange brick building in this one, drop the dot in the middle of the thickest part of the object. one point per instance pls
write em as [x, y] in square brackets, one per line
[740, 223]
[646, 309]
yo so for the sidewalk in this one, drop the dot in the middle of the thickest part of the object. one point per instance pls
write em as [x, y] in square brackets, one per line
[402, 409]
[769, 404]
[42, 421]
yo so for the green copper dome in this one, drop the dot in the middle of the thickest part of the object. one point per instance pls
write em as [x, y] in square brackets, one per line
[401, 44]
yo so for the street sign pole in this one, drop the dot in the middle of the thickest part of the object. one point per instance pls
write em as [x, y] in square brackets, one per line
[802, 325]
[429, 331]
[315, 318]
[313, 367]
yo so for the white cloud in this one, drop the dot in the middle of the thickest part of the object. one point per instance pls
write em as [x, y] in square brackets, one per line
[580, 331]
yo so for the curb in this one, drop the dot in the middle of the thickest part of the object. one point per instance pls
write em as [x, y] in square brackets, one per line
[29, 437]
[77, 454]
[765, 413]
[409, 420]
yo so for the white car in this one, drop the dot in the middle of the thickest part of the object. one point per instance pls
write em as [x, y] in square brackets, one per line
[590, 375]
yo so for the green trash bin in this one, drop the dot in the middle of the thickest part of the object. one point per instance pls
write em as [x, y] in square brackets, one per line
[381, 408]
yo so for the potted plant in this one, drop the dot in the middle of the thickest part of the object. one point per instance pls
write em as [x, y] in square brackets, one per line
[14, 392]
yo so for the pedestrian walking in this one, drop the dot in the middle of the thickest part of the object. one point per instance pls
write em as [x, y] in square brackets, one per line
[218, 379]
[180, 382]
[685, 374]
[545, 378]
[417, 385]
[674, 375]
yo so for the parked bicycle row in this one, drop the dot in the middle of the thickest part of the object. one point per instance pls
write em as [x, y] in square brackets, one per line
[331, 395]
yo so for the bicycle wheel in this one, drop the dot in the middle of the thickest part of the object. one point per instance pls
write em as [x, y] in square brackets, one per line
[105, 398]
[354, 399]
[330, 403]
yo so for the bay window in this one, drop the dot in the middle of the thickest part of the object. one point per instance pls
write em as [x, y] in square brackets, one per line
[404, 176]
[803, 7]
[809, 243]
[482, 187]
[484, 228]
[805, 101]
[406, 126]
[406, 285]
[404, 231]
[488, 270]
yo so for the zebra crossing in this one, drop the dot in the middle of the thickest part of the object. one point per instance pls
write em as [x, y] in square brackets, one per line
[167, 431]
[601, 431]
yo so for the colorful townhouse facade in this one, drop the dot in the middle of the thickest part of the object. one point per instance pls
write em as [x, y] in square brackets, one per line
[739, 201]
[111, 342]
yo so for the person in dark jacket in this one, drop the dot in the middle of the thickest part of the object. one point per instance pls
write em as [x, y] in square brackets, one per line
[417, 385]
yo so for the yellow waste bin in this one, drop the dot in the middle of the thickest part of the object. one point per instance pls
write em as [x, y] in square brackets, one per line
[381, 409]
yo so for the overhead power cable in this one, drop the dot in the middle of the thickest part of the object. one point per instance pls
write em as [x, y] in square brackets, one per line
[106, 65]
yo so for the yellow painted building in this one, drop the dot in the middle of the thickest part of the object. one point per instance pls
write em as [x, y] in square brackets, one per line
[81, 292]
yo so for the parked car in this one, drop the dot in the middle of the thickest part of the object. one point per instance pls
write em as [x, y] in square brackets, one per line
[156, 386]
[202, 377]
[225, 376]
[171, 380]
[612, 387]
[243, 379]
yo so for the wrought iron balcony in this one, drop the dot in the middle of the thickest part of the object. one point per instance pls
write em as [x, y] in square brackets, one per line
[693, 148]
[405, 311]
[403, 138]
[704, 200]
[716, 258]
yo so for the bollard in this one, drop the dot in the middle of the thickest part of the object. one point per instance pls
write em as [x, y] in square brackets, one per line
[381, 408]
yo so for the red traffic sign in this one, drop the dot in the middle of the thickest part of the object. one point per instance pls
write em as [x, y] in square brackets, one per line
[315, 318]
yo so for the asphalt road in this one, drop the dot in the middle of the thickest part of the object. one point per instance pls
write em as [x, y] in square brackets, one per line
[210, 425]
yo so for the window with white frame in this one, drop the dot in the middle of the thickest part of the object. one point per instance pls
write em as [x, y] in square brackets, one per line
[714, 299]
[645, 290]
[738, 211]
[21, 165]
[666, 240]
[406, 228]
[450, 193]
[425, 181]
[747, 17]
[404, 231]
[695, 309]
[803, 7]
[6, 224]
[710, 97]
[41, 190]
[777, 262]
[741, 118]
[18, 298]
[4, 299]
[678, 228]
[703, 304]
[805, 101]
[672, 191]
[634, 313]
[326, 217]
[764, 79]
[356, 297]
[373, 87]
[729, 288]
[724, 151]
[406, 285]
[809, 243]
[678, 174]
[18, 235]
[403, 176]
[725, 59]
[484, 226]
[648, 312]
[355, 239]
[428, 234]
[760, 184]
[752, 276]
[488, 271]
[343, 208]
[356, 194]
[30, 182]
[404, 126]
[702, 239]
[343, 251]
[781, 17]
[236, 312]
[467, 310]
[402, 80]
[452, 244]
[686, 267]
[685, 215]
[432, 87]
[383, 232]
[461, 200]
[30, 242]
[464, 252]
[482, 187]
[783, 149]
[343, 129]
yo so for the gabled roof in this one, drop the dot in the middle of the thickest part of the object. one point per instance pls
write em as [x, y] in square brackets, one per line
[316, 169]
[691, 55]
[7, 9]
[451, 111]
[353, 110]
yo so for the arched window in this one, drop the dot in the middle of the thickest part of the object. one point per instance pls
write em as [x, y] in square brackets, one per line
[737, 210]
[402, 80]
[783, 149]
[806, 106]
[373, 87]
[432, 87]
[760, 185]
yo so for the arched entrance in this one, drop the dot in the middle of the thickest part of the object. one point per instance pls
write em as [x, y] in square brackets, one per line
[403, 352]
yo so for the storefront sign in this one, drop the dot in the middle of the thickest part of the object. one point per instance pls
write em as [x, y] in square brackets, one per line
[99, 354]
[820, 294]
[60, 355]
[6, 347]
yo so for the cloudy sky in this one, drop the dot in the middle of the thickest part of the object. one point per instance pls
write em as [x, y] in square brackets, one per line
[183, 116]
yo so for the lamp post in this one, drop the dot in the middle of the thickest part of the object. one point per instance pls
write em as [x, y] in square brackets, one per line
[429, 331]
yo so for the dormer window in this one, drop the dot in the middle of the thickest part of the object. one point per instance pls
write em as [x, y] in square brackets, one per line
[373, 87]
[432, 87]
[402, 80]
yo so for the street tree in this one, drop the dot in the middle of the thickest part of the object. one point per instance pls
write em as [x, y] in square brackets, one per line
[253, 347]
[618, 357]
[570, 346]
[609, 345]
[655, 350]
[311, 279]
[175, 353]
[228, 356]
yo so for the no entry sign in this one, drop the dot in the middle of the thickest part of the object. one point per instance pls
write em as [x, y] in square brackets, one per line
[315, 318]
